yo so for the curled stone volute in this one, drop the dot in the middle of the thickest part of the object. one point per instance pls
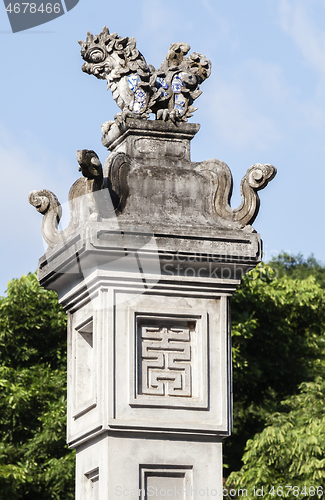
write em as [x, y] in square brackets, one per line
[258, 176]
[44, 201]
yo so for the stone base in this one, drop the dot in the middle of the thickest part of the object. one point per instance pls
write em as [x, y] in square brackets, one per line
[129, 467]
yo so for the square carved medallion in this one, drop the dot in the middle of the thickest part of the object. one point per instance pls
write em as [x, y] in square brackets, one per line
[169, 365]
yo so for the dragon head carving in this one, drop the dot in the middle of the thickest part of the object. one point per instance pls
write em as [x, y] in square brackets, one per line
[138, 88]
[117, 60]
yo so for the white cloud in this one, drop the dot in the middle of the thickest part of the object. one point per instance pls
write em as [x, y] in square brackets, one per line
[165, 24]
[312, 115]
[155, 16]
[298, 19]
[236, 119]
[207, 5]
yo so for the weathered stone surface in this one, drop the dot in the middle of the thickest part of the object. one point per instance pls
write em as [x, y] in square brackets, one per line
[149, 185]
[82, 202]
[145, 271]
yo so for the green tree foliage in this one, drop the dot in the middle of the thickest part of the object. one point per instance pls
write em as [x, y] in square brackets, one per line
[278, 327]
[290, 450]
[296, 267]
[35, 463]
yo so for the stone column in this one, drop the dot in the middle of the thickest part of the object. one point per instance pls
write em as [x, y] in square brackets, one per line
[145, 271]
[146, 287]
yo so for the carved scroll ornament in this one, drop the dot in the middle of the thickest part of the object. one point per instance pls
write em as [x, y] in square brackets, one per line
[256, 178]
[90, 198]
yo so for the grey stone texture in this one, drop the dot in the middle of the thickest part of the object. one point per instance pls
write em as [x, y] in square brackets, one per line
[145, 271]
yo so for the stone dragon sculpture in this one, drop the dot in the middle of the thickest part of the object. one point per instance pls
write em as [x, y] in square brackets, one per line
[139, 89]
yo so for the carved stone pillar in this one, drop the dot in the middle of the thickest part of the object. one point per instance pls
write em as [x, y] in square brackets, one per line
[145, 271]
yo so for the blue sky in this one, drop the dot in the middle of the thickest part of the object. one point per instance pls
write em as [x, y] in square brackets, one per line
[263, 103]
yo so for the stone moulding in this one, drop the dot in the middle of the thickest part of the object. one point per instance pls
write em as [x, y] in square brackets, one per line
[153, 129]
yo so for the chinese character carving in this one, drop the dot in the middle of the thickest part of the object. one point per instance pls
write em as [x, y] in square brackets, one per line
[165, 361]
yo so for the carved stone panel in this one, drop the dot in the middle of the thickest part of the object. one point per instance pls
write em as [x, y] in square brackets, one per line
[85, 390]
[159, 481]
[84, 376]
[146, 360]
[151, 148]
[165, 361]
[131, 467]
[91, 486]
[170, 354]
[169, 368]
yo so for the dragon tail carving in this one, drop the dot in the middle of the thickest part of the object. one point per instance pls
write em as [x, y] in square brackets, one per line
[256, 178]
